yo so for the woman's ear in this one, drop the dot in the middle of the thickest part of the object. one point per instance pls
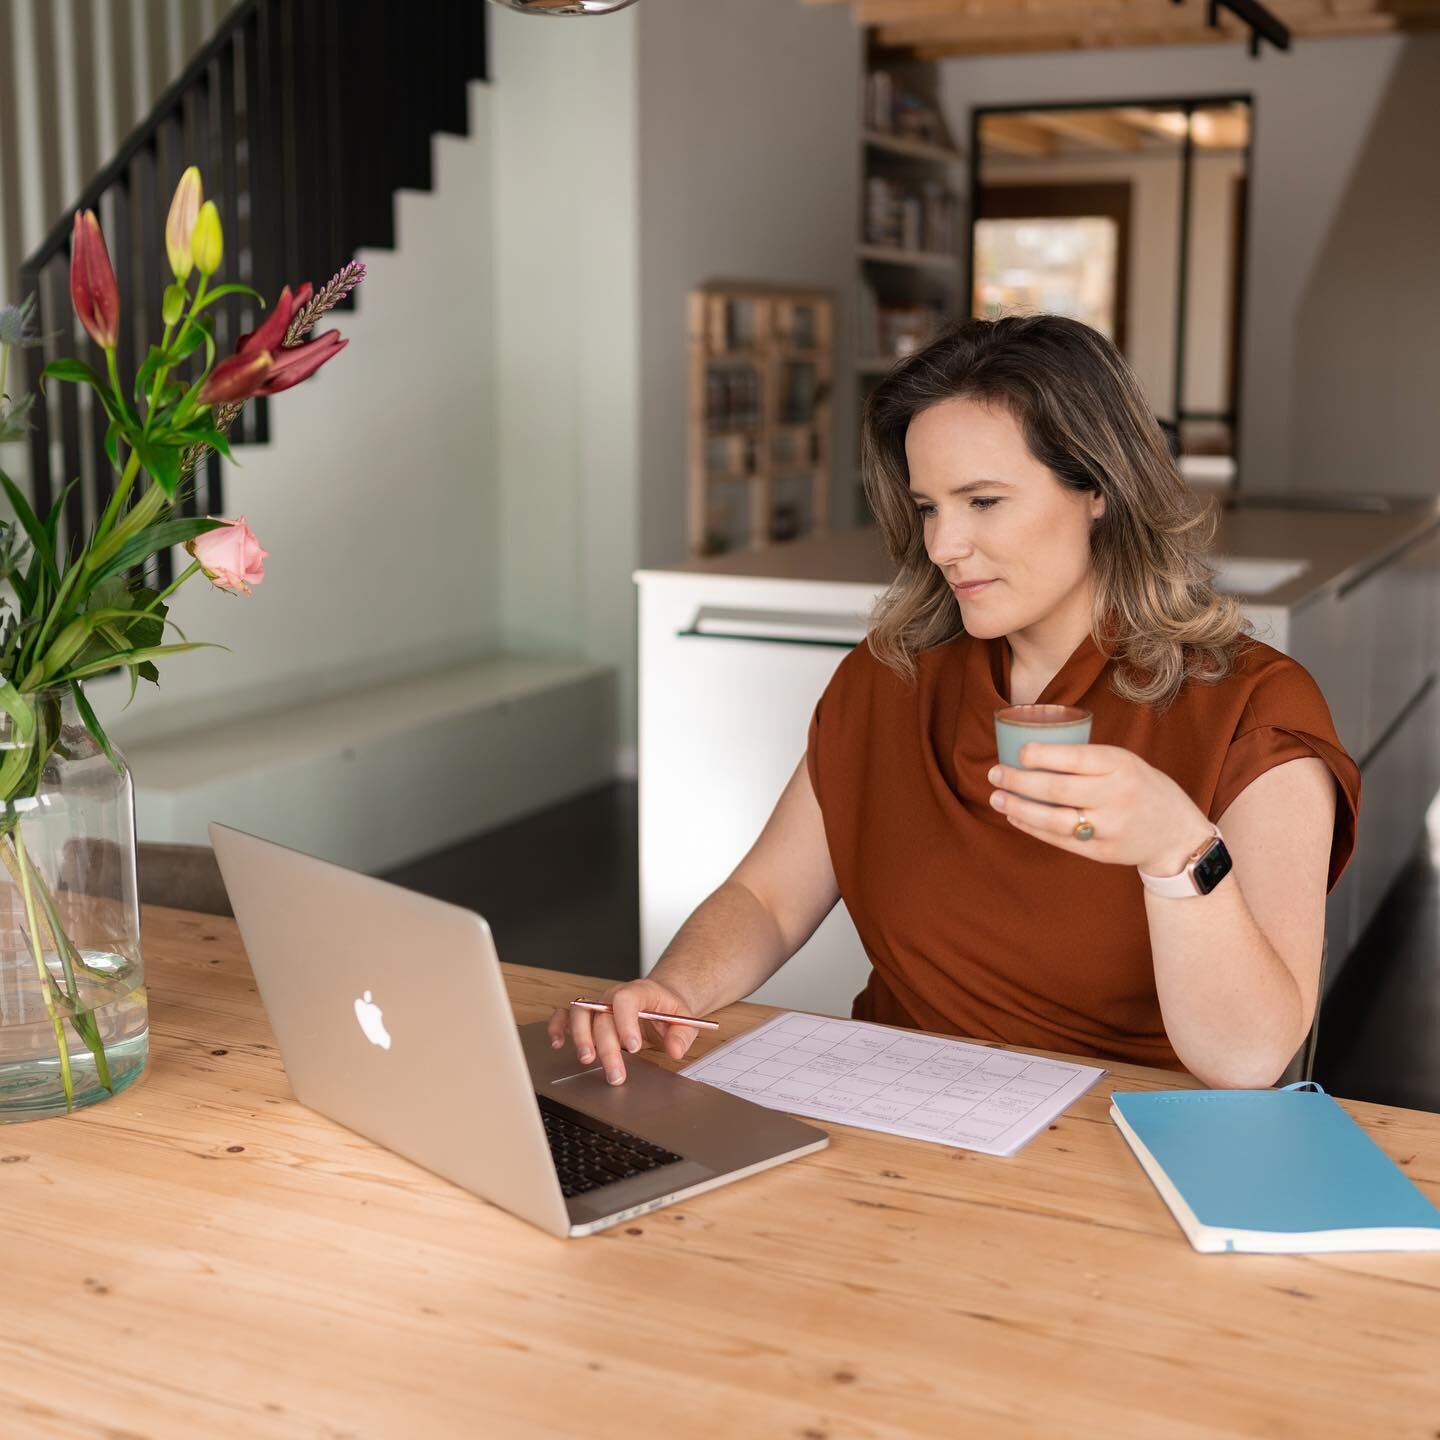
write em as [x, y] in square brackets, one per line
[1097, 506]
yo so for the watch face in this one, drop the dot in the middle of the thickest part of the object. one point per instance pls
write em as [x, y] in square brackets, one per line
[1212, 867]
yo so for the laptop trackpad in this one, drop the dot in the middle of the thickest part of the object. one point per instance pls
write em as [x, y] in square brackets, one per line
[647, 1088]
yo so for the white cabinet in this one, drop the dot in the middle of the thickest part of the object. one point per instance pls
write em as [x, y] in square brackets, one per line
[730, 670]
[1371, 646]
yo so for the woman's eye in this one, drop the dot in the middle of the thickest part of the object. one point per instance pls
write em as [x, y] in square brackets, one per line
[985, 502]
[924, 511]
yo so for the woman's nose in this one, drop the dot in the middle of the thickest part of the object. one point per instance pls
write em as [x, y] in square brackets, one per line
[949, 542]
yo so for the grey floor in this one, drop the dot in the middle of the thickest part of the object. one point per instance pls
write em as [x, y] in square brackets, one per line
[560, 891]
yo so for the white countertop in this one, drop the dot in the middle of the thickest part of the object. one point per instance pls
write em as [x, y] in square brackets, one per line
[1338, 546]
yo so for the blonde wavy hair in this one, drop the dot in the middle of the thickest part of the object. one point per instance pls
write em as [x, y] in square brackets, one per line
[1085, 418]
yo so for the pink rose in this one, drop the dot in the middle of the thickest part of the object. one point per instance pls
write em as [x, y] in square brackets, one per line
[230, 557]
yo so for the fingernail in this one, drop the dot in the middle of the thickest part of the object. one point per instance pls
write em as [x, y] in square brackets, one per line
[614, 1076]
[994, 776]
[556, 1044]
[586, 1056]
[998, 800]
[632, 1042]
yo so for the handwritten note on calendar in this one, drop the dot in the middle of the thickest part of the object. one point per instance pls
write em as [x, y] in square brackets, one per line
[925, 1087]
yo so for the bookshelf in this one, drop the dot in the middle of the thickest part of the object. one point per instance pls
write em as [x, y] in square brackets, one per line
[910, 226]
[761, 371]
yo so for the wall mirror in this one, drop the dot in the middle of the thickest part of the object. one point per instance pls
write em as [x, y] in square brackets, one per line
[1130, 217]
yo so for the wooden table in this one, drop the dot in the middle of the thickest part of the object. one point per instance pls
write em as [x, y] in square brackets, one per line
[202, 1256]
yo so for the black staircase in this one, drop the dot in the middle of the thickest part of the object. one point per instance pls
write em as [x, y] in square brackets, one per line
[305, 117]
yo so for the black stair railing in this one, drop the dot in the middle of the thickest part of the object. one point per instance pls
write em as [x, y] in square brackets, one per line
[305, 117]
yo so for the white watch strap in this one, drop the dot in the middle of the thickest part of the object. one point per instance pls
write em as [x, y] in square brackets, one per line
[1176, 887]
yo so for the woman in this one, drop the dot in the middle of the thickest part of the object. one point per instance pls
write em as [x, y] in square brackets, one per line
[1048, 552]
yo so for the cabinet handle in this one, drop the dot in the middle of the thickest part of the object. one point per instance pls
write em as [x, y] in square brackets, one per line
[776, 627]
[693, 634]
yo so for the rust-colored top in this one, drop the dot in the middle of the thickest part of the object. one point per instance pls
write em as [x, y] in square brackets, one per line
[974, 928]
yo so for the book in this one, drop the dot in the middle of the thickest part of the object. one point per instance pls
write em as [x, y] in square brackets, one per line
[1276, 1171]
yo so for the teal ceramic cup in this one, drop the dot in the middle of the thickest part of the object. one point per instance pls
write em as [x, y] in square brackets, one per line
[1017, 725]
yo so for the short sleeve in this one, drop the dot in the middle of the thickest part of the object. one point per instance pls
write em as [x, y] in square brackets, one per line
[1287, 719]
[812, 749]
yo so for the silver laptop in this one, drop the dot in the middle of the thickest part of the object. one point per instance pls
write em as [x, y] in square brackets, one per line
[392, 1017]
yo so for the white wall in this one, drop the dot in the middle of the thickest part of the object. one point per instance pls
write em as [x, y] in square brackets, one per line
[1315, 161]
[566, 275]
[749, 169]
[1367, 352]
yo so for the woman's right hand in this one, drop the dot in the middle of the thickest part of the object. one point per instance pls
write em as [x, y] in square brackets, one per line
[606, 1037]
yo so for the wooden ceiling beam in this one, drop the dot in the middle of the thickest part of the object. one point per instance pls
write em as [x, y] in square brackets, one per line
[1089, 38]
[892, 13]
[1017, 135]
[1102, 129]
[934, 29]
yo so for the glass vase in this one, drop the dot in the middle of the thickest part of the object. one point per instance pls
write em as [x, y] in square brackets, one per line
[74, 1022]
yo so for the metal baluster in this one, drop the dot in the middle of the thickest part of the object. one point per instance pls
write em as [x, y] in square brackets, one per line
[34, 360]
[267, 199]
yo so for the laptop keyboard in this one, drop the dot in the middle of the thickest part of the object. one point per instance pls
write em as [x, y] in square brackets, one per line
[588, 1153]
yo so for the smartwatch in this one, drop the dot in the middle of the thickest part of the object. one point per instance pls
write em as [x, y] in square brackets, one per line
[1203, 871]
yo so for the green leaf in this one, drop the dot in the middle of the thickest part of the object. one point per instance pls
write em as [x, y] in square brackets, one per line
[156, 537]
[206, 434]
[147, 671]
[132, 657]
[39, 536]
[52, 520]
[17, 757]
[190, 339]
[92, 724]
[153, 361]
[111, 594]
[220, 291]
[112, 447]
[162, 464]
[73, 370]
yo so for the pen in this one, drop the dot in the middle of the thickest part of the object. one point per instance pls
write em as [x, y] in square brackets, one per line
[601, 1007]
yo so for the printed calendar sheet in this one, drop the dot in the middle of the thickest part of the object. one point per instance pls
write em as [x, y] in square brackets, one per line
[926, 1087]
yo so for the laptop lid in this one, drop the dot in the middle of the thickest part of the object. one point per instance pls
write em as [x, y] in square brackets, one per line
[392, 1017]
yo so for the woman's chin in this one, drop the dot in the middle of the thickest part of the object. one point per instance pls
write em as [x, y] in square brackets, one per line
[981, 625]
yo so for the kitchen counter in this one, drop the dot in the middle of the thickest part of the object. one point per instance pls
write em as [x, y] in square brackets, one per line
[1339, 548]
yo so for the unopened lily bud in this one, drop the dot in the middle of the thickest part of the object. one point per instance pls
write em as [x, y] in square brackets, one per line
[93, 290]
[207, 242]
[180, 224]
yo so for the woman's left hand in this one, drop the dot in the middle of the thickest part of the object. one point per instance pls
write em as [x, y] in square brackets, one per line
[1140, 816]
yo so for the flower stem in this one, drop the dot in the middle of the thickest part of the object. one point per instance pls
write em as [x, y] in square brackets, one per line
[83, 1016]
[117, 501]
[66, 1078]
[115, 379]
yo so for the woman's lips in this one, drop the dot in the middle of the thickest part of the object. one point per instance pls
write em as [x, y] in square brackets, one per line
[973, 587]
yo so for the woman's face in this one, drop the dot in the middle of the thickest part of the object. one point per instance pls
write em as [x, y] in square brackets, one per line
[1013, 542]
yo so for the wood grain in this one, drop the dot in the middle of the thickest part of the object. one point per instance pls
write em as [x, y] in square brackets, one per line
[202, 1255]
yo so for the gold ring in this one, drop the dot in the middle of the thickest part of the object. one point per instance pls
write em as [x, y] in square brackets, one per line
[1083, 830]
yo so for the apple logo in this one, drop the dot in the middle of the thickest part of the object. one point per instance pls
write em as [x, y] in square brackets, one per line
[372, 1021]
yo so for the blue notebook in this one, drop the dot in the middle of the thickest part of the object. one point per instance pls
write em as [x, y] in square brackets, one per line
[1272, 1170]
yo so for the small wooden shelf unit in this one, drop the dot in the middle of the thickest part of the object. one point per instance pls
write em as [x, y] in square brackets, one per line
[761, 371]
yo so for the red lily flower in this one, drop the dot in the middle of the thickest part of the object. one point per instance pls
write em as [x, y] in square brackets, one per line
[236, 378]
[294, 363]
[263, 364]
[93, 291]
[270, 333]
